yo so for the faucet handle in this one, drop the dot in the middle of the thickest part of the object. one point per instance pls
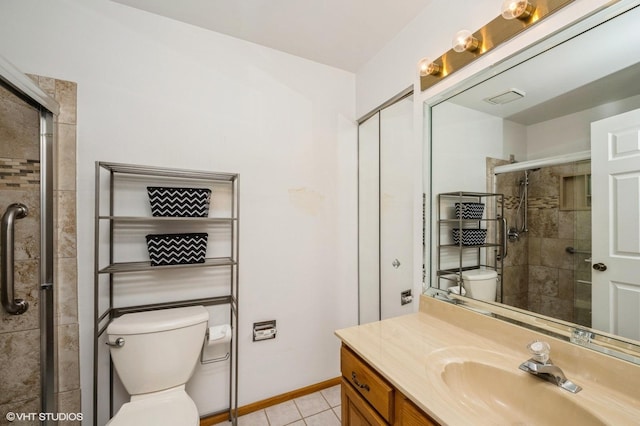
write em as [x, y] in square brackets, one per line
[539, 351]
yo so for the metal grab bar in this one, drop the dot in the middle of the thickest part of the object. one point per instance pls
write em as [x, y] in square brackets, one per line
[11, 305]
[505, 234]
[571, 250]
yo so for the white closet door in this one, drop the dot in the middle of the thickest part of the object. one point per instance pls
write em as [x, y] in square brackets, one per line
[369, 220]
[396, 206]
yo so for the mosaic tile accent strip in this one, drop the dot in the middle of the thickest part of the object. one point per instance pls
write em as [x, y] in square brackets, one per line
[537, 203]
[510, 202]
[541, 203]
[19, 174]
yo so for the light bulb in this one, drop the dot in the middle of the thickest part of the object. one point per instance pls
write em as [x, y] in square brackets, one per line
[464, 40]
[520, 9]
[427, 67]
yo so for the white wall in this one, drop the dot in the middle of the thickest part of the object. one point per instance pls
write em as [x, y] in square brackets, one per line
[515, 138]
[462, 160]
[157, 92]
[572, 132]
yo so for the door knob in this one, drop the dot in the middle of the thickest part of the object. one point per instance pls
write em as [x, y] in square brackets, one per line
[396, 263]
[600, 267]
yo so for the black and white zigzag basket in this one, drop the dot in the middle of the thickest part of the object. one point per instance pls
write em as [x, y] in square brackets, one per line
[470, 237]
[179, 202]
[469, 210]
[177, 249]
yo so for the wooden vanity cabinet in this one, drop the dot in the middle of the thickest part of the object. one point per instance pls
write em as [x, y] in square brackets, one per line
[355, 409]
[411, 415]
[369, 399]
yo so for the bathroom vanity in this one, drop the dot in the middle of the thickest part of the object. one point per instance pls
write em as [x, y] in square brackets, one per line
[369, 399]
[453, 366]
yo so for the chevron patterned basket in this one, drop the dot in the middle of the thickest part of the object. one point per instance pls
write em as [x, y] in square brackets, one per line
[179, 202]
[469, 210]
[177, 249]
[470, 237]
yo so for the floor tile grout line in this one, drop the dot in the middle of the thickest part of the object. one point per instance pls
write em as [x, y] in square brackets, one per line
[299, 412]
[325, 398]
[304, 419]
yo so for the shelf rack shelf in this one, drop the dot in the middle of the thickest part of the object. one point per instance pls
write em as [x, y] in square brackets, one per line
[124, 267]
[111, 178]
[160, 220]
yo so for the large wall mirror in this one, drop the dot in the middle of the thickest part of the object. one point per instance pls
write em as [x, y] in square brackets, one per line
[548, 143]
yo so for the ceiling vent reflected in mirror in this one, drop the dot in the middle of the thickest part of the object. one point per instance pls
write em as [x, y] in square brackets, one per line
[506, 97]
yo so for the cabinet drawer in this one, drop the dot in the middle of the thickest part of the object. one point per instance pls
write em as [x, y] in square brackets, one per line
[368, 383]
[356, 411]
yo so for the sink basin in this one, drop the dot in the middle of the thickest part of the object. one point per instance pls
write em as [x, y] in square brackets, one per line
[496, 392]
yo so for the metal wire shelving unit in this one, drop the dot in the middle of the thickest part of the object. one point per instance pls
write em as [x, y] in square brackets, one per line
[107, 269]
[453, 259]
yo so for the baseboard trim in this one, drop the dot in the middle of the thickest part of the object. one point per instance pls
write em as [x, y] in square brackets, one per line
[278, 399]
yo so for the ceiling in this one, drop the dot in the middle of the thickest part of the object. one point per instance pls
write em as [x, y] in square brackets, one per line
[341, 33]
[586, 71]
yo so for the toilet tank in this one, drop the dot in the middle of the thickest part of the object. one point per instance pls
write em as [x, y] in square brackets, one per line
[161, 348]
[481, 283]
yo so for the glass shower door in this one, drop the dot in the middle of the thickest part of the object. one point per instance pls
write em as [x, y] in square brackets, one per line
[20, 206]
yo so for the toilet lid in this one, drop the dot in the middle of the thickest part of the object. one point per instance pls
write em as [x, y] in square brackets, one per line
[172, 409]
[479, 274]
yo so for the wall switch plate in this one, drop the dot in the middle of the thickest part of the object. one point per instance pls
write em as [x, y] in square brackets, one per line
[264, 330]
[406, 297]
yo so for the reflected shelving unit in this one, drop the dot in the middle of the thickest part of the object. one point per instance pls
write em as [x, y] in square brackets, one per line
[455, 258]
[122, 219]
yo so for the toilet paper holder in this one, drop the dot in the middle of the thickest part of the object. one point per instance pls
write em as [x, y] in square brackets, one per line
[212, 360]
[225, 339]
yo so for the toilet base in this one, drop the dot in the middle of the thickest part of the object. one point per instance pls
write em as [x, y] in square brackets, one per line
[172, 407]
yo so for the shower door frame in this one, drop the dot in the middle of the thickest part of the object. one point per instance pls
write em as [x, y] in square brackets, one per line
[528, 165]
[23, 87]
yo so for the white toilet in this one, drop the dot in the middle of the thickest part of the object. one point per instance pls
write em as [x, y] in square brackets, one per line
[481, 284]
[159, 353]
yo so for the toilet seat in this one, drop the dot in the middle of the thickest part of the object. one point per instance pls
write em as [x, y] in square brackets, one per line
[172, 407]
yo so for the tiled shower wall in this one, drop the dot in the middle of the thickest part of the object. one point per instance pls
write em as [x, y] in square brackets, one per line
[19, 335]
[64, 240]
[513, 289]
[539, 274]
[19, 345]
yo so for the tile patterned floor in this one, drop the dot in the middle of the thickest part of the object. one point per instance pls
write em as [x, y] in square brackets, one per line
[317, 409]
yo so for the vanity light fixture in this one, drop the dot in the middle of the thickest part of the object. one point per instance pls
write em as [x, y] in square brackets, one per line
[517, 9]
[465, 41]
[428, 67]
[517, 16]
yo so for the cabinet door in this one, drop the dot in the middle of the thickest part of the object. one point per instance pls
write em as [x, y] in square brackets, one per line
[411, 415]
[355, 410]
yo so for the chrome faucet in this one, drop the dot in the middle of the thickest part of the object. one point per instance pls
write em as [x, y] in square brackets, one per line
[540, 365]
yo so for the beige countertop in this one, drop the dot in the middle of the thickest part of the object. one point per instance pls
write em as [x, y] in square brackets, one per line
[410, 351]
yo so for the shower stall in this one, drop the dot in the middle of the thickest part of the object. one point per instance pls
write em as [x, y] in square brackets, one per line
[26, 278]
[548, 211]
